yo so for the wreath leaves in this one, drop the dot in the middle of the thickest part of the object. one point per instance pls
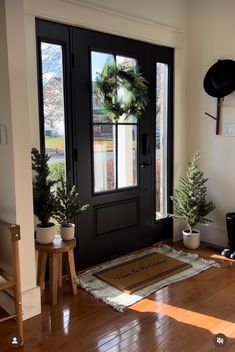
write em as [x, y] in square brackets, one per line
[110, 80]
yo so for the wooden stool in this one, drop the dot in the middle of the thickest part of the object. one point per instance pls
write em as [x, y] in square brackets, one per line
[55, 251]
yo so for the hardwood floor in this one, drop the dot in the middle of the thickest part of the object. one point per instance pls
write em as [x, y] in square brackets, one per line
[182, 317]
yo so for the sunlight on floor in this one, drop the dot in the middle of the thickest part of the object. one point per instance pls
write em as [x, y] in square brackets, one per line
[221, 259]
[212, 324]
[66, 320]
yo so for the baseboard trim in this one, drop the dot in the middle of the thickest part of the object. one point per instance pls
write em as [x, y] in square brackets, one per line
[212, 247]
[31, 303]
[213, 234]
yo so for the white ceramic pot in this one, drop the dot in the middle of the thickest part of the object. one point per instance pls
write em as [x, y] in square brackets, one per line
[191, 240]
[67, 232]
[45, 235]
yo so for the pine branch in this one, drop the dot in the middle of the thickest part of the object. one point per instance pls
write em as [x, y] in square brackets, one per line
[43, 198]
[190, 202]
[68, 203]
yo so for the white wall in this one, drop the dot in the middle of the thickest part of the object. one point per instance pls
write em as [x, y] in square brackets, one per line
[7, 190]
[165, 12]
[212, 34]
[16, 175]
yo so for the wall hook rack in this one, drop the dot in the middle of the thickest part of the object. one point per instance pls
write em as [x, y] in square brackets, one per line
[217, 118]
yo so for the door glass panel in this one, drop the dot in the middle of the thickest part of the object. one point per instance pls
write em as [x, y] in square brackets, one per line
[98, 60]
[114, 143]
[127, 155]
[161, 140]
[123, 93]
[104, 157]
[53, 107]
[125, 60]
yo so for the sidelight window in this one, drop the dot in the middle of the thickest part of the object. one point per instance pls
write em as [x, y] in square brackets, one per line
[52, 82]
[161, 141]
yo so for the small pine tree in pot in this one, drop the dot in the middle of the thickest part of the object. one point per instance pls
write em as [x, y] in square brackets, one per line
[44, 201]
[190, 203]
[68, 207]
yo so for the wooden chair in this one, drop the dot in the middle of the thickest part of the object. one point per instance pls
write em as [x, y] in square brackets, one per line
[11, 281]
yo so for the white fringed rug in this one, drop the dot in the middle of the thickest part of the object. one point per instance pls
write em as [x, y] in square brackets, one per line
[120, 300]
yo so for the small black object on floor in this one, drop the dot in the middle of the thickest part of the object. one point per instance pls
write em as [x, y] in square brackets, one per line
[229, 252]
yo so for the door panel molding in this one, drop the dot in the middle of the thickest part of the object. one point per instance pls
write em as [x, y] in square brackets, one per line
[117, 216]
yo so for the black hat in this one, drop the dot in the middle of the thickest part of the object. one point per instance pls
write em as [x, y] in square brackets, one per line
[220, 79]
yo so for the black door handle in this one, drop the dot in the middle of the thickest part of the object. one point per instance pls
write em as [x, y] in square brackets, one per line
[145, 163]
[145, 144]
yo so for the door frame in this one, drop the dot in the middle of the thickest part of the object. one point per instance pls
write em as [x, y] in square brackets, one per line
[65, 32]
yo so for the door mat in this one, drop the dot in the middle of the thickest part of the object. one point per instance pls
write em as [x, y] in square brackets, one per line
[95, 280]
[141, 272]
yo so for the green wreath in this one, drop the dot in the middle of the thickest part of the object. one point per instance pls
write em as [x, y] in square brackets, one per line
[110, 80]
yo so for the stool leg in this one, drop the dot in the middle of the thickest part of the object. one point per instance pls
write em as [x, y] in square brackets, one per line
[42, 260]
[53, 273]
[71, 271]
[60, 270]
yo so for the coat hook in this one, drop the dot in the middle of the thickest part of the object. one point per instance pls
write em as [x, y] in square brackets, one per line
[217, 118]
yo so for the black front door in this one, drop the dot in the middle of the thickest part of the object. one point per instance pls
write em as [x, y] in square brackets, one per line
[115, 165]
[115, 161]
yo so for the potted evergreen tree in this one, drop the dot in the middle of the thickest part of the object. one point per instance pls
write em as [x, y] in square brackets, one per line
[68, 207]
[190, 203]
[44, 201]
